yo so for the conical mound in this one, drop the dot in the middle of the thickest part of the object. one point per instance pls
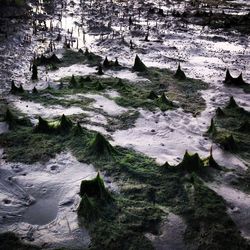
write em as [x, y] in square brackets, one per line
[72, 82]
[191, 162]
[42, 126]
[236, 81]
[211, 161]
[139, 65]
[219, 112]
[212, 129]
[16, 90]
[95, 188]
[179, 74]
[232, 103]
[65, 123]
[106, 63]
[101, 147]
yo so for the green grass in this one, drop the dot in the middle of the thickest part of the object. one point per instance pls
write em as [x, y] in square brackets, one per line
[144, 188]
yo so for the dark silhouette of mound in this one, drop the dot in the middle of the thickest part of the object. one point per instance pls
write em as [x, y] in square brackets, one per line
[236, 81]
[16, 90]
[191, 163]
[100, 147]
[179, 74]
[139, 65]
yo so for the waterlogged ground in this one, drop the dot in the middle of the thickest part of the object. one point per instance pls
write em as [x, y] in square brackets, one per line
[51, 188]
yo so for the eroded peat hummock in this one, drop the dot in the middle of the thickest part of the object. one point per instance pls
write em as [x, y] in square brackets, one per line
[124, 125]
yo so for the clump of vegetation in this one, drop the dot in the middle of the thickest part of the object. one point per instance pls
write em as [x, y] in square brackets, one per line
[232, 103]
[99, 70]
[72, 82]
[64, 125]
[95, 188]
[219, 112]
[237, 81]
[71, 57]
[139, 65]
[232, 129]
[191, 163]
[110, 64]
[179, 74]
[14, 121]
[212, 129]
[34, 72]
[100, 147]
[34, 91]
[47, 60]
[16, 90]
[164, 103]
[144, 189]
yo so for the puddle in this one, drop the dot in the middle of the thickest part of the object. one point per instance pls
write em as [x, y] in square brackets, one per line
[42, 200]
[42, 212]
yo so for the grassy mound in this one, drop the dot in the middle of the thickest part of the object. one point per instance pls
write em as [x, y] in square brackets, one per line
[232, 129]
[64, 125]
[191, 163]
[179, 74]
[139, 65]
[235, 81]
[100, 147]
[16, 90]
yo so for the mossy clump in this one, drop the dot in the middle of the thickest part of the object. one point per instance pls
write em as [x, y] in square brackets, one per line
[95, 188]
[34, 72]
[236, 81]
[45, 60]
[232, 103]
[219, 112]
[210, 161]
[139, 65]
[14, 121]
[94, 196]
[65, 124]
[34, 91]
[99, 70]
[16, 90]
[164, 103]
[62, 126]
[42, 126]
[109, 64]
[228, 143]
[100, 147]
[106, 63]
[212, 129]
[191, 163]
[72, 82]
[152, 95]
[179, 74]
